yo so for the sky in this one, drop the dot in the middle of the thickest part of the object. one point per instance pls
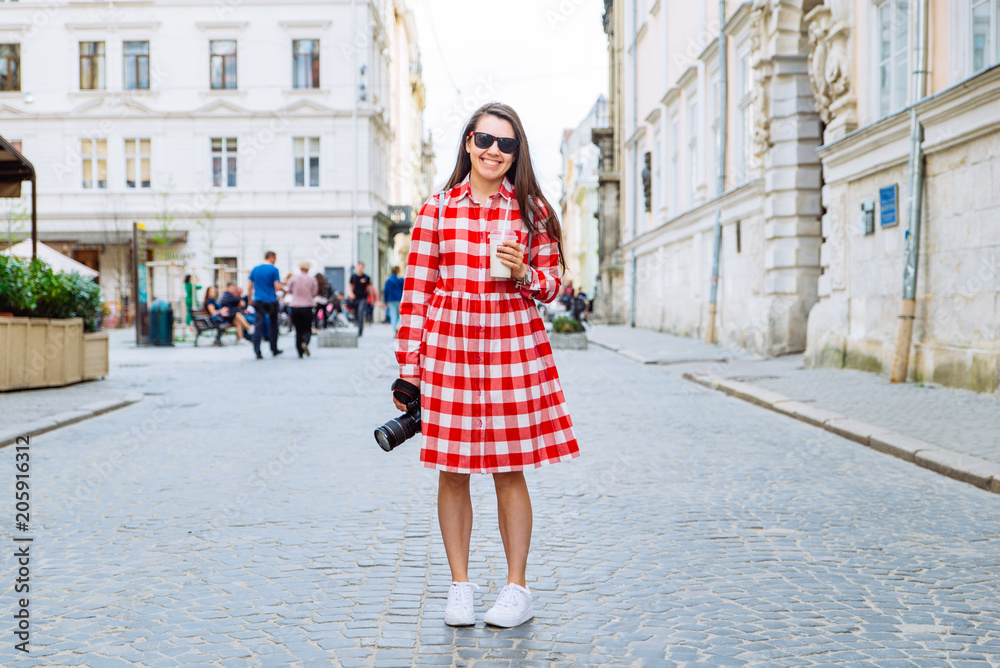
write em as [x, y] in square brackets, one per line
[548, 59]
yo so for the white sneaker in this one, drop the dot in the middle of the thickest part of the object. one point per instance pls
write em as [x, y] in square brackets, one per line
[513, 607]
[460, 611]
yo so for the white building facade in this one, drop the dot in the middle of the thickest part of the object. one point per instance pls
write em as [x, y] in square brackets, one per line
[228, 129]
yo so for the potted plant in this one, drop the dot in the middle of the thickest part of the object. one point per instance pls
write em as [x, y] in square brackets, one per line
[567, 334]
[52, 338]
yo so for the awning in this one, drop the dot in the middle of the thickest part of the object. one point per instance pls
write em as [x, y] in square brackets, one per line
[51, 257]
[14, 170]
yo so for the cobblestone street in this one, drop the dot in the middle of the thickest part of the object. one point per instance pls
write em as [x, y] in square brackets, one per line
[241, 514]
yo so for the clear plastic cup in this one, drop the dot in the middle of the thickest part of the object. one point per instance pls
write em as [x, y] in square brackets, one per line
[497, 268]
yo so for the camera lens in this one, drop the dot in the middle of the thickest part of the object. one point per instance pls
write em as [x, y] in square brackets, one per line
[394, 432]
[384, 439]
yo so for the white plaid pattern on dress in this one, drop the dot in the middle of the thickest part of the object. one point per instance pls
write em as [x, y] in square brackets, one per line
[491, 400]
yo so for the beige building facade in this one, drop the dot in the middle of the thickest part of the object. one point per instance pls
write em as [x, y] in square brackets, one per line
[579, 200]
[815, 206]
[668, 134]
[862, 62]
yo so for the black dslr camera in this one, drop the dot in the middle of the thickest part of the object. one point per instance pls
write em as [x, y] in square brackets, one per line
[395, 431]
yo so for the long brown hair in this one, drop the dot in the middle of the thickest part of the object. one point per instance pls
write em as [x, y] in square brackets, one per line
[526, 189]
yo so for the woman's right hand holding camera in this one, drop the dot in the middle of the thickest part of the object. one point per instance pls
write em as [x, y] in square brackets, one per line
[415, 380]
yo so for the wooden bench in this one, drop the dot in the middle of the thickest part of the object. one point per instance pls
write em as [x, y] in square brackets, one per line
[202, 322]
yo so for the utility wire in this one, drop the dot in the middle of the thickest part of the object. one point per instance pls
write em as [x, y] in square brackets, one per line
[437, 42]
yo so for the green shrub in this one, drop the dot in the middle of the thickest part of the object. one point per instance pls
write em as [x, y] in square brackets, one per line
[32, 288]
[566, 325]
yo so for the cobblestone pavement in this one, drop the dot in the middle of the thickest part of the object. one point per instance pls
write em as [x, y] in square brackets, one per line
[958, 420]
[241, 515]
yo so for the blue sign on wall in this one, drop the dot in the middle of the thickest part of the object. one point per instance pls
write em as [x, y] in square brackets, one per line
[887, 205]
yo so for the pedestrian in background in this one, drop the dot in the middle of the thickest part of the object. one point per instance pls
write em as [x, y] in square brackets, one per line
[262, 288]
[191, 288]
[360, 286]
[300, 291]
[392, 293]
[491, 400]
[232, 311]
[322, 300]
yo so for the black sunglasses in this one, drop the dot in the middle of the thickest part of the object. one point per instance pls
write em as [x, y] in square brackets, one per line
[485, 140]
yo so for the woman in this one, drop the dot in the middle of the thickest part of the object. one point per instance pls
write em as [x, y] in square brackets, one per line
[191, 288]
[299, 292]
[322, 299]
[491, 401]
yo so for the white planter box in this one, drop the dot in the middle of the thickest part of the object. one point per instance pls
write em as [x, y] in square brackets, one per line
[337, 339]
[574, 341]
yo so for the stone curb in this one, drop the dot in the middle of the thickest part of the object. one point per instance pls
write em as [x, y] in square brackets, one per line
[664, 361]
[966, 468]
[9, 435]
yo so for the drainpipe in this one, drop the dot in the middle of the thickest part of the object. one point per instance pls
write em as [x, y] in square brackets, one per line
[355, 250]
[908, 305]
[723, 119]
[635, 150]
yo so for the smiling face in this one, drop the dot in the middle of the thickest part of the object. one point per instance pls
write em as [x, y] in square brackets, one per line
[490, 164]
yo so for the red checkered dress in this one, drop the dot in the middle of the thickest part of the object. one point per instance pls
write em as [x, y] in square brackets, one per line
[491, 397]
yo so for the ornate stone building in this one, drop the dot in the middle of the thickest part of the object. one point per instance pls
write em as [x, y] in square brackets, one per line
[609, 303]
[666, 113]
[864, 64]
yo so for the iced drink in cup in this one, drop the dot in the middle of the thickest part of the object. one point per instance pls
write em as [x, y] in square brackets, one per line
[497, 268]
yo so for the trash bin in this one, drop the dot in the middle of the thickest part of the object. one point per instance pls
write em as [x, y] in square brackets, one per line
[161, 323]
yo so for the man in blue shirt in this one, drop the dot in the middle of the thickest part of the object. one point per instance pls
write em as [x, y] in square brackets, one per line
[262, 288]
[392, 293]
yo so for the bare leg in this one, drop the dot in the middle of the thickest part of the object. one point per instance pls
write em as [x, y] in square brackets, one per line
[455, 517]
[514, 510]
[241, 326]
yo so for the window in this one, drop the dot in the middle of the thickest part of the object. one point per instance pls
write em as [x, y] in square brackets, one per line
[95, 163]
[306, 150]
[675, 165]
[744, 121]
[137, 163]
[693, 162]
[305, 63]
[659, 153]
[223, 63]
[136, 65]
[10, 67]
[91, 65]
[224, 162]
[893, 55]
[985, 33]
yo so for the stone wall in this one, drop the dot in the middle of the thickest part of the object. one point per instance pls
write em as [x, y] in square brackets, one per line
[674, 270]
[955, 340]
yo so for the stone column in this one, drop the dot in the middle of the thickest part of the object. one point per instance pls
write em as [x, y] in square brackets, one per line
[786, 136]
[829, 30]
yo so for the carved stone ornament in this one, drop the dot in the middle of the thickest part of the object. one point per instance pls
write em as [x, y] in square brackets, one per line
[819, 27]
[759, 15]
[758, 25]
[828, 54]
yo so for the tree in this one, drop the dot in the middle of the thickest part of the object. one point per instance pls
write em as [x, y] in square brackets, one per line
[164, 233]
[116, 232]
[14, 214]
[207, 223]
